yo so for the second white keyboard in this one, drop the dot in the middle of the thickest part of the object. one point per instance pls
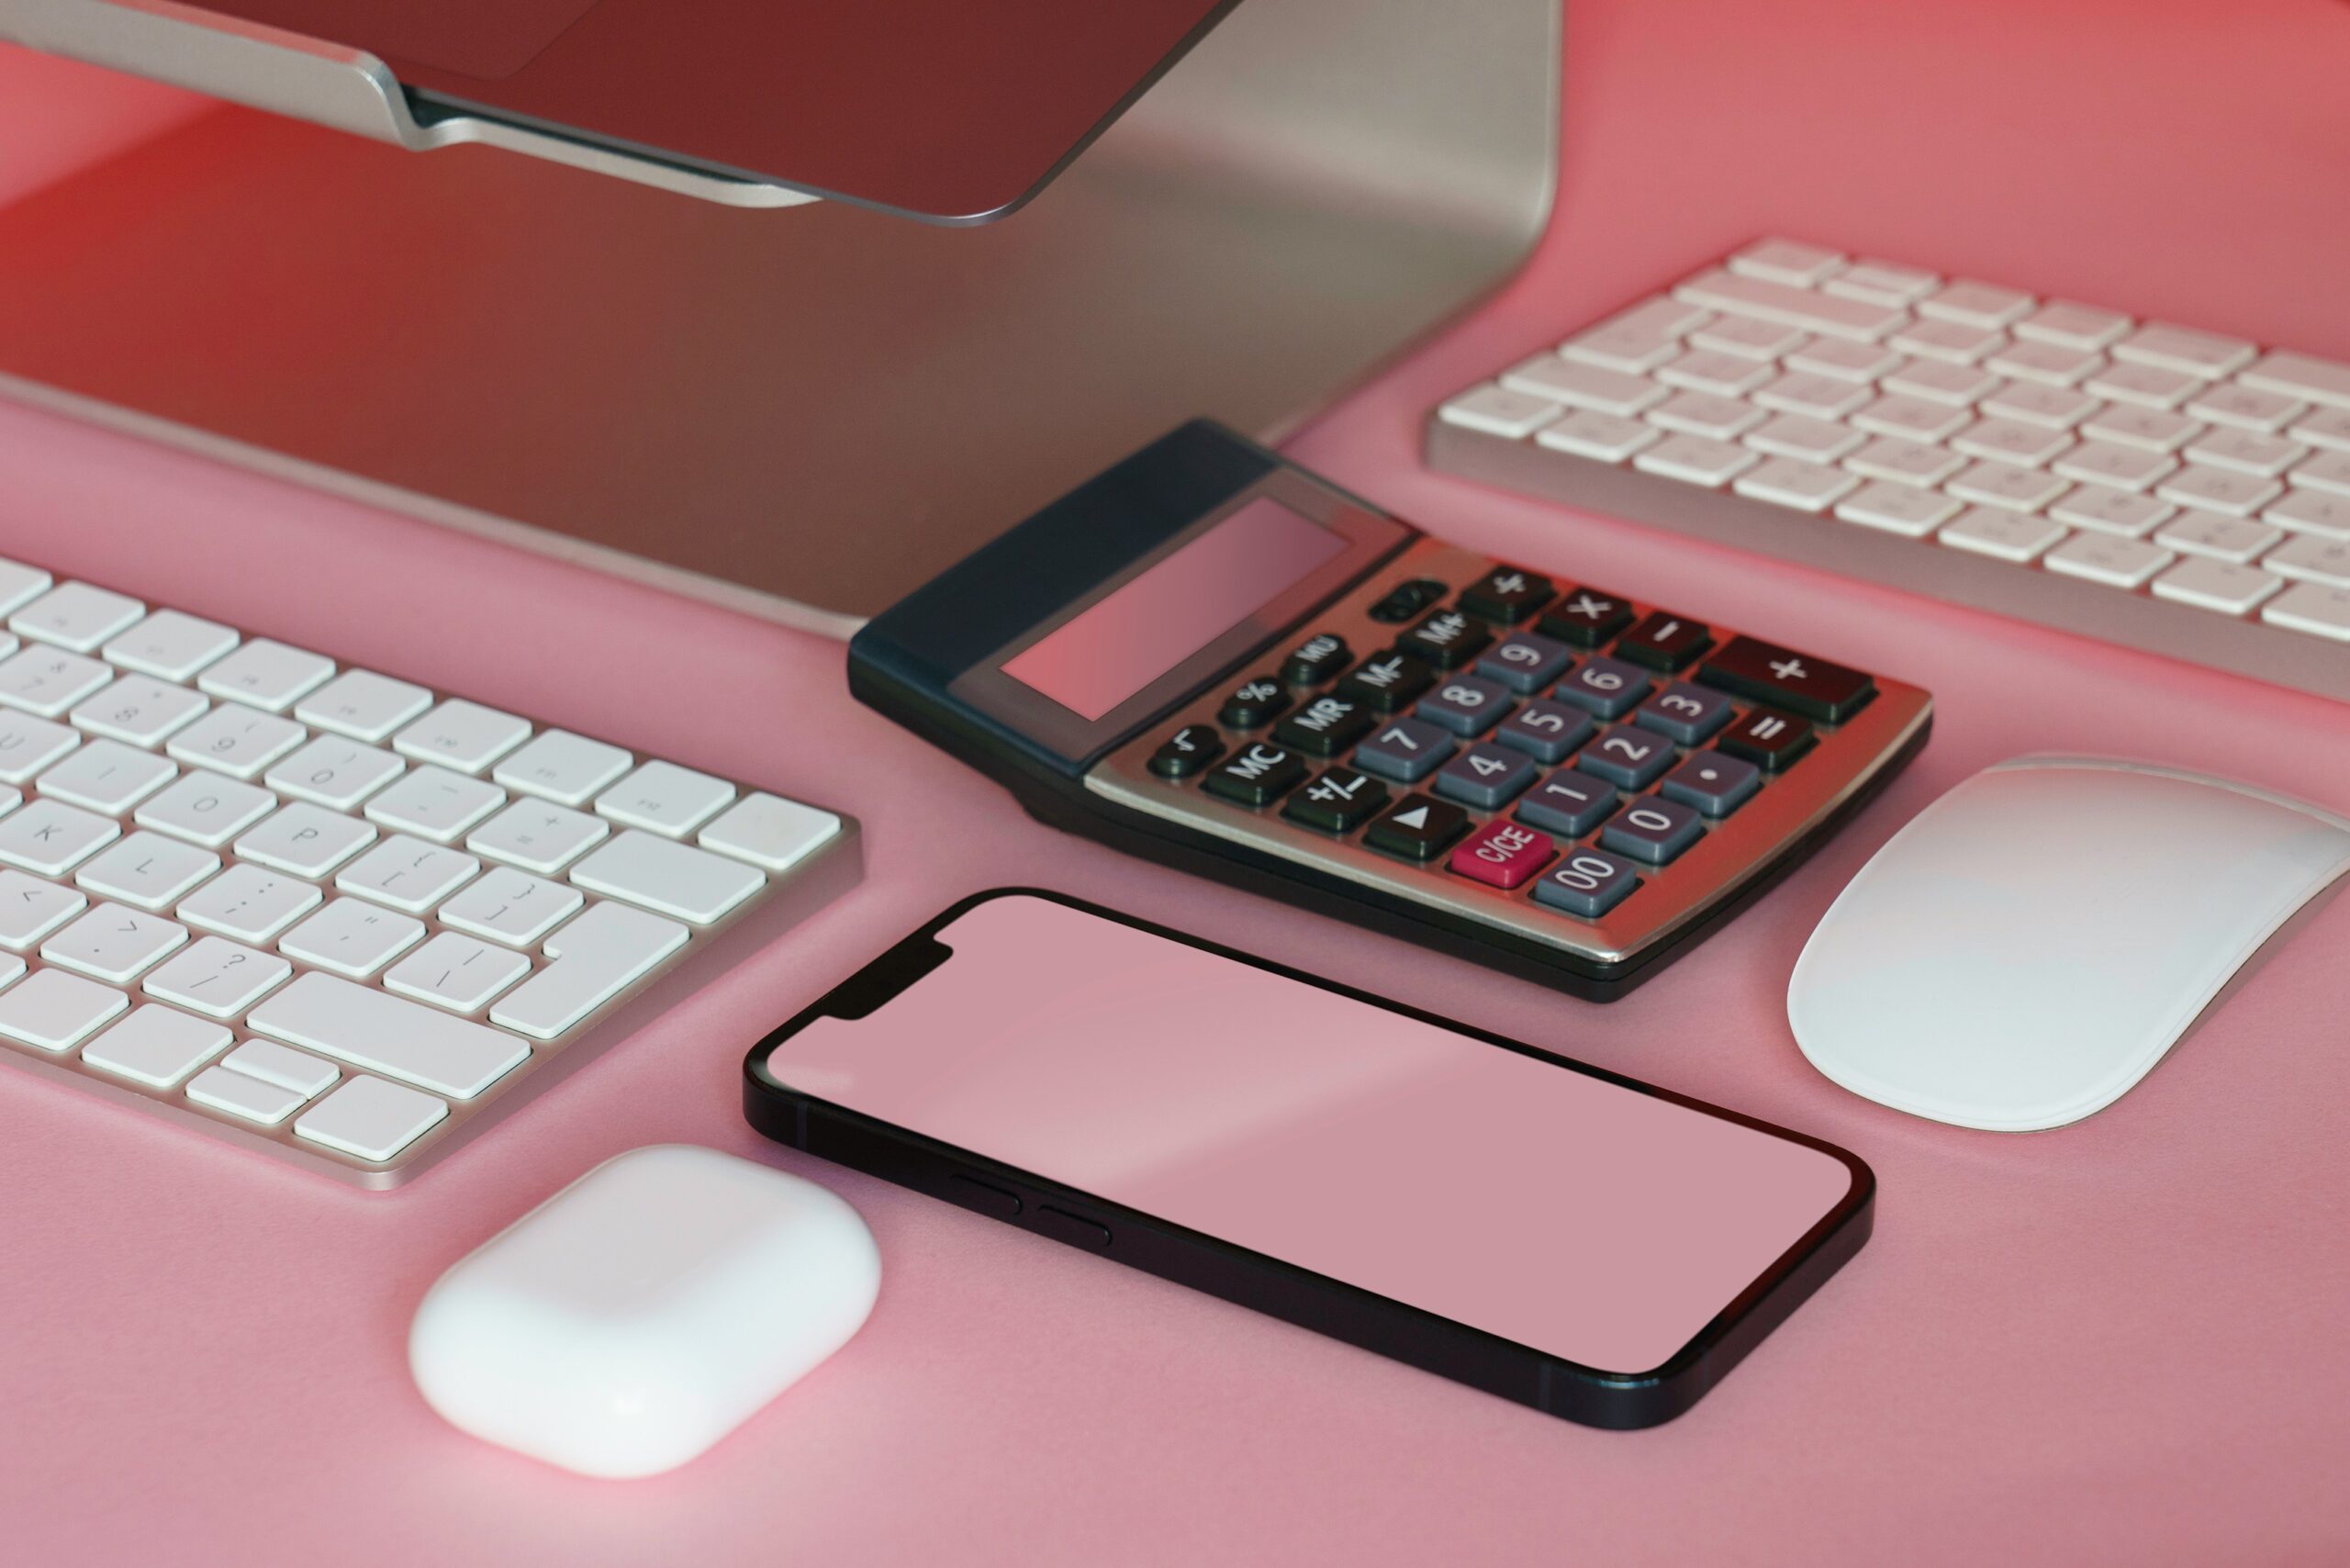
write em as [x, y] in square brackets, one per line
[2153, 484]
[332, 914]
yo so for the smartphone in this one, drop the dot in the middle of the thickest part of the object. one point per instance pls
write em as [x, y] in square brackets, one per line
[1592, 1247]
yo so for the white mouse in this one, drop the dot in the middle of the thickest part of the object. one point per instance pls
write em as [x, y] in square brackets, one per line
[2026, 950]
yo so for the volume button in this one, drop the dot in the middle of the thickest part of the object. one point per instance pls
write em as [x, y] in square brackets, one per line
[1075, 1229]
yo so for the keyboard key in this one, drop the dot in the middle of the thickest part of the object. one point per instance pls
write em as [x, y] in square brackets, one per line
[2247, 408]
[206, 809]
[595, 957]
[1339, 801]
[29, 745]
[1714, 784]
[1587, 883]
[408, 873]
[1485, 777]
[2185, 350]
[169, 646]
[265, 674]
[1809, 392]
[513, 907]
[249, 903]
[1786, 261]
[1663, 641]
[2045, 367]
[1526, 661]
[148, 870]
[77, 616]
[1603, 437]
[2001, 535]
[539, 835]
[2011, 441]
[2219, 489]
[770, 832]
[216, 976]
[2299, 376]
[234, 740]
[2109, 511]
[1406, 750]
[1627, 757]
[391, 1035]
[1623, 336]
[2221, 585]
[2322, 610]
[1822, 313]
[247, 1098]
[45, 682]
[1497, 410]
[138, 708]
[54, 1012]
[352, 937]
[458, 972]
[20, 585]
[1970, 304]
[370, 1119]
[1770, 741]
[1697, 460]
[1899, 508]
[433, 802]
[1956, 343]
[1801, 436]
[667, 878]
[1904, 462]
[2311, 557]
[113, 944]
[2073, 326]
[664, 798]
[156, 1046]
[1465, 704]
[1959, 383]
[1653, 830]
[1631, 347]
[362, 705]
[288, 1068]
[107, 776]
[1711, 371]
[2110, 464]
[32, 907]
[1910, 418]
[2055, 406]
[1506, 595]
[2106, 558]
[333, 772]
[1586, 617]
[306, 840]
[1687, 714]
[1748, 667]
[1446, 639]
[1503, 854]
[2328, 471]
[1882, 283]
[2149, 386]
[2007, 485]
[2327, 428]
[561, 767]
[1792, 482]
[1253, 702]
[1843, 360]
[1744, 337]
[1418, 828]
[1326, 726]
[2222, 538]
[1547, 731]
[1608, 687]
[1569, 803]
[464, 735]
[49, 838]
[2304, 511]
[1258, 774]
[2246, 451]
[1182, 754]
[1555, 380]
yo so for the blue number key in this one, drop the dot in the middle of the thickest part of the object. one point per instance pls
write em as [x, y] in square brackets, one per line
[1485, 777]
[1568, 803]
[1404, 750]
[1587, 883]
[1689, 715]
[1653, 830]
[1547, 731]
[1464, 705]
[1628, 755]
[1525, 662]
[1609, 688]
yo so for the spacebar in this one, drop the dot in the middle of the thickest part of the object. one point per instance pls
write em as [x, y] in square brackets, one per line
[388, 1034]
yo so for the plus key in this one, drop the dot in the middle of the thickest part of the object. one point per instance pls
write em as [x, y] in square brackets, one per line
[1812, 686]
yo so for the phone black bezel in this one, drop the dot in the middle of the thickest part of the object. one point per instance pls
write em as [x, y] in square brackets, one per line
[1268, 1285]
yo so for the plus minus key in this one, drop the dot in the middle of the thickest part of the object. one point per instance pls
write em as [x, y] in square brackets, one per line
[1785, 678]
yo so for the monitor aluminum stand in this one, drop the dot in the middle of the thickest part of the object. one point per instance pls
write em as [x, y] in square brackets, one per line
[804, 413]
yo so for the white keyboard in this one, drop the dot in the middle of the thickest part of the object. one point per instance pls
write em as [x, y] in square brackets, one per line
[2151, 485]
[329, 914]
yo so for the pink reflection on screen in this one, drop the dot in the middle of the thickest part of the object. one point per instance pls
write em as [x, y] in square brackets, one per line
[1150, 625]
[1557, 1210]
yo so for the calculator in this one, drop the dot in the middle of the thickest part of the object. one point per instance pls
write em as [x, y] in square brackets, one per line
[1211, 657]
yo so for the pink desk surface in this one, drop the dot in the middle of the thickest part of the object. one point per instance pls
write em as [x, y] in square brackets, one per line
[2119, 1343]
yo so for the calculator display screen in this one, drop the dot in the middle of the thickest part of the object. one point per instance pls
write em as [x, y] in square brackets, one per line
[1147, 625]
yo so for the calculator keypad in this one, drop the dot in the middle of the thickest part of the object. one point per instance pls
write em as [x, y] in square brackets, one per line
[1579, 766]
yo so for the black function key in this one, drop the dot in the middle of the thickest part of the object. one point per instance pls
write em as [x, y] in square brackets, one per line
[1663, 641]
[1339, 801]
[1253, 702]
[1317, 659]
[1419, 828]
[1258, 776]
[1187, 751]
[1446, 639]
[1814, 688]
[1507, 595]
[1387, 683]
[1770, 741]
[1326, 726]
[1407, 600]
[1586, 617]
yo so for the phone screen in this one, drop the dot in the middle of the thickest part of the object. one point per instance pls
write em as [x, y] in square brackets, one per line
[1572, 1215]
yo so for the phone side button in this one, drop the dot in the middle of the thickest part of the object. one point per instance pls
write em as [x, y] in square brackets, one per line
[1075, 1229]
[973, 1193]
